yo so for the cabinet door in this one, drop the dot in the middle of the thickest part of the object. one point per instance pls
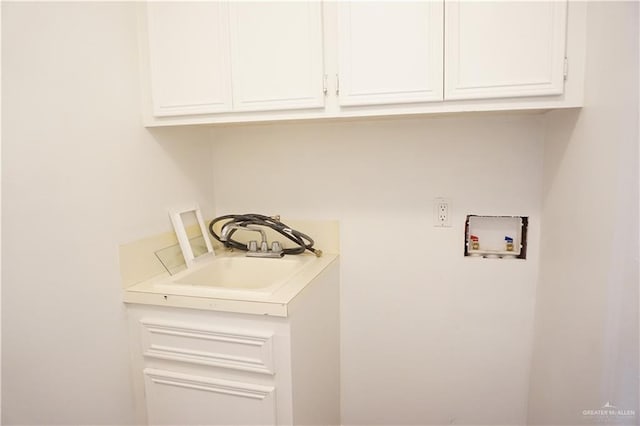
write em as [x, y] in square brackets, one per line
[181, 399]
[276, 50]
[504, 48]
[188, 57]
[390, 52]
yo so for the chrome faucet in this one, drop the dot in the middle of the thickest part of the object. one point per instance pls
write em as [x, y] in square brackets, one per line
[226, 230]
[253, 250]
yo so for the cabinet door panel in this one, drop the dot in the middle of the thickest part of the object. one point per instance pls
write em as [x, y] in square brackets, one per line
[189, 57]
[390, 52]
[181, 399]
[276, 55]
[504, 49]
[225, 347]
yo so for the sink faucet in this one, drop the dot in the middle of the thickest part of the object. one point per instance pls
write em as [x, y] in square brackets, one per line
[228, 228]
[253, 250]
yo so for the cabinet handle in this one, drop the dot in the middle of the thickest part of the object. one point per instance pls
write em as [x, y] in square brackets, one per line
[337, 84]
[324, 84]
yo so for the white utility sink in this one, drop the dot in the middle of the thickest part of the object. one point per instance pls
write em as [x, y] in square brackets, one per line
[238, 273]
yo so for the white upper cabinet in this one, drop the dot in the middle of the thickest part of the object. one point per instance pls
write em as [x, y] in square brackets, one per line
[276, 50]
[390, 52]
[238, 61]
[188, 50]
[215, 56]
[504, 49]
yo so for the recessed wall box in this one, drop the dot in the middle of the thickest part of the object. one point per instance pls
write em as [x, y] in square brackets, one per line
[496, 236]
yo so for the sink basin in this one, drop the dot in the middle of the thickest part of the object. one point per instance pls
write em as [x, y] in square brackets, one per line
[243, 273]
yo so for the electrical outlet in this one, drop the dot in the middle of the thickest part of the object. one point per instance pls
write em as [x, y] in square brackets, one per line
[442, 213]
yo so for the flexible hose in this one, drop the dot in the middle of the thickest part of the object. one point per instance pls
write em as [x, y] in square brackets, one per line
[303, 241]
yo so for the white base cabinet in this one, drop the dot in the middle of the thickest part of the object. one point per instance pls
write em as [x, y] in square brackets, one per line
[197, 367]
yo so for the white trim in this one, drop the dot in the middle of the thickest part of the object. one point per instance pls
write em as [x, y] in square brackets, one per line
[263, 363]
[226, 387]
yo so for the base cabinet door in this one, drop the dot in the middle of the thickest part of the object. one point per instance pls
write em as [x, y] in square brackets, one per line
[504, 49]
[183, 399]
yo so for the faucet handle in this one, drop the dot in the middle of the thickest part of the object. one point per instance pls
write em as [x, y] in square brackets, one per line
[276, 247]
[253, 245]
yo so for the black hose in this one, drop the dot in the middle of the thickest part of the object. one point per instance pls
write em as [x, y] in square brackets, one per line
[303, 241]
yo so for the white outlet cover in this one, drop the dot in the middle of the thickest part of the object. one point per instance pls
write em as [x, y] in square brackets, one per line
[438, 221]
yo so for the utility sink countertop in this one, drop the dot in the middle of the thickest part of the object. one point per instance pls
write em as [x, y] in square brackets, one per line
[232, 282]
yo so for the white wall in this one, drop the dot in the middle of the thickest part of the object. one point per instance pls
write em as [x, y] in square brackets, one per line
[586, 340]
[428, 336]
[80, 175]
